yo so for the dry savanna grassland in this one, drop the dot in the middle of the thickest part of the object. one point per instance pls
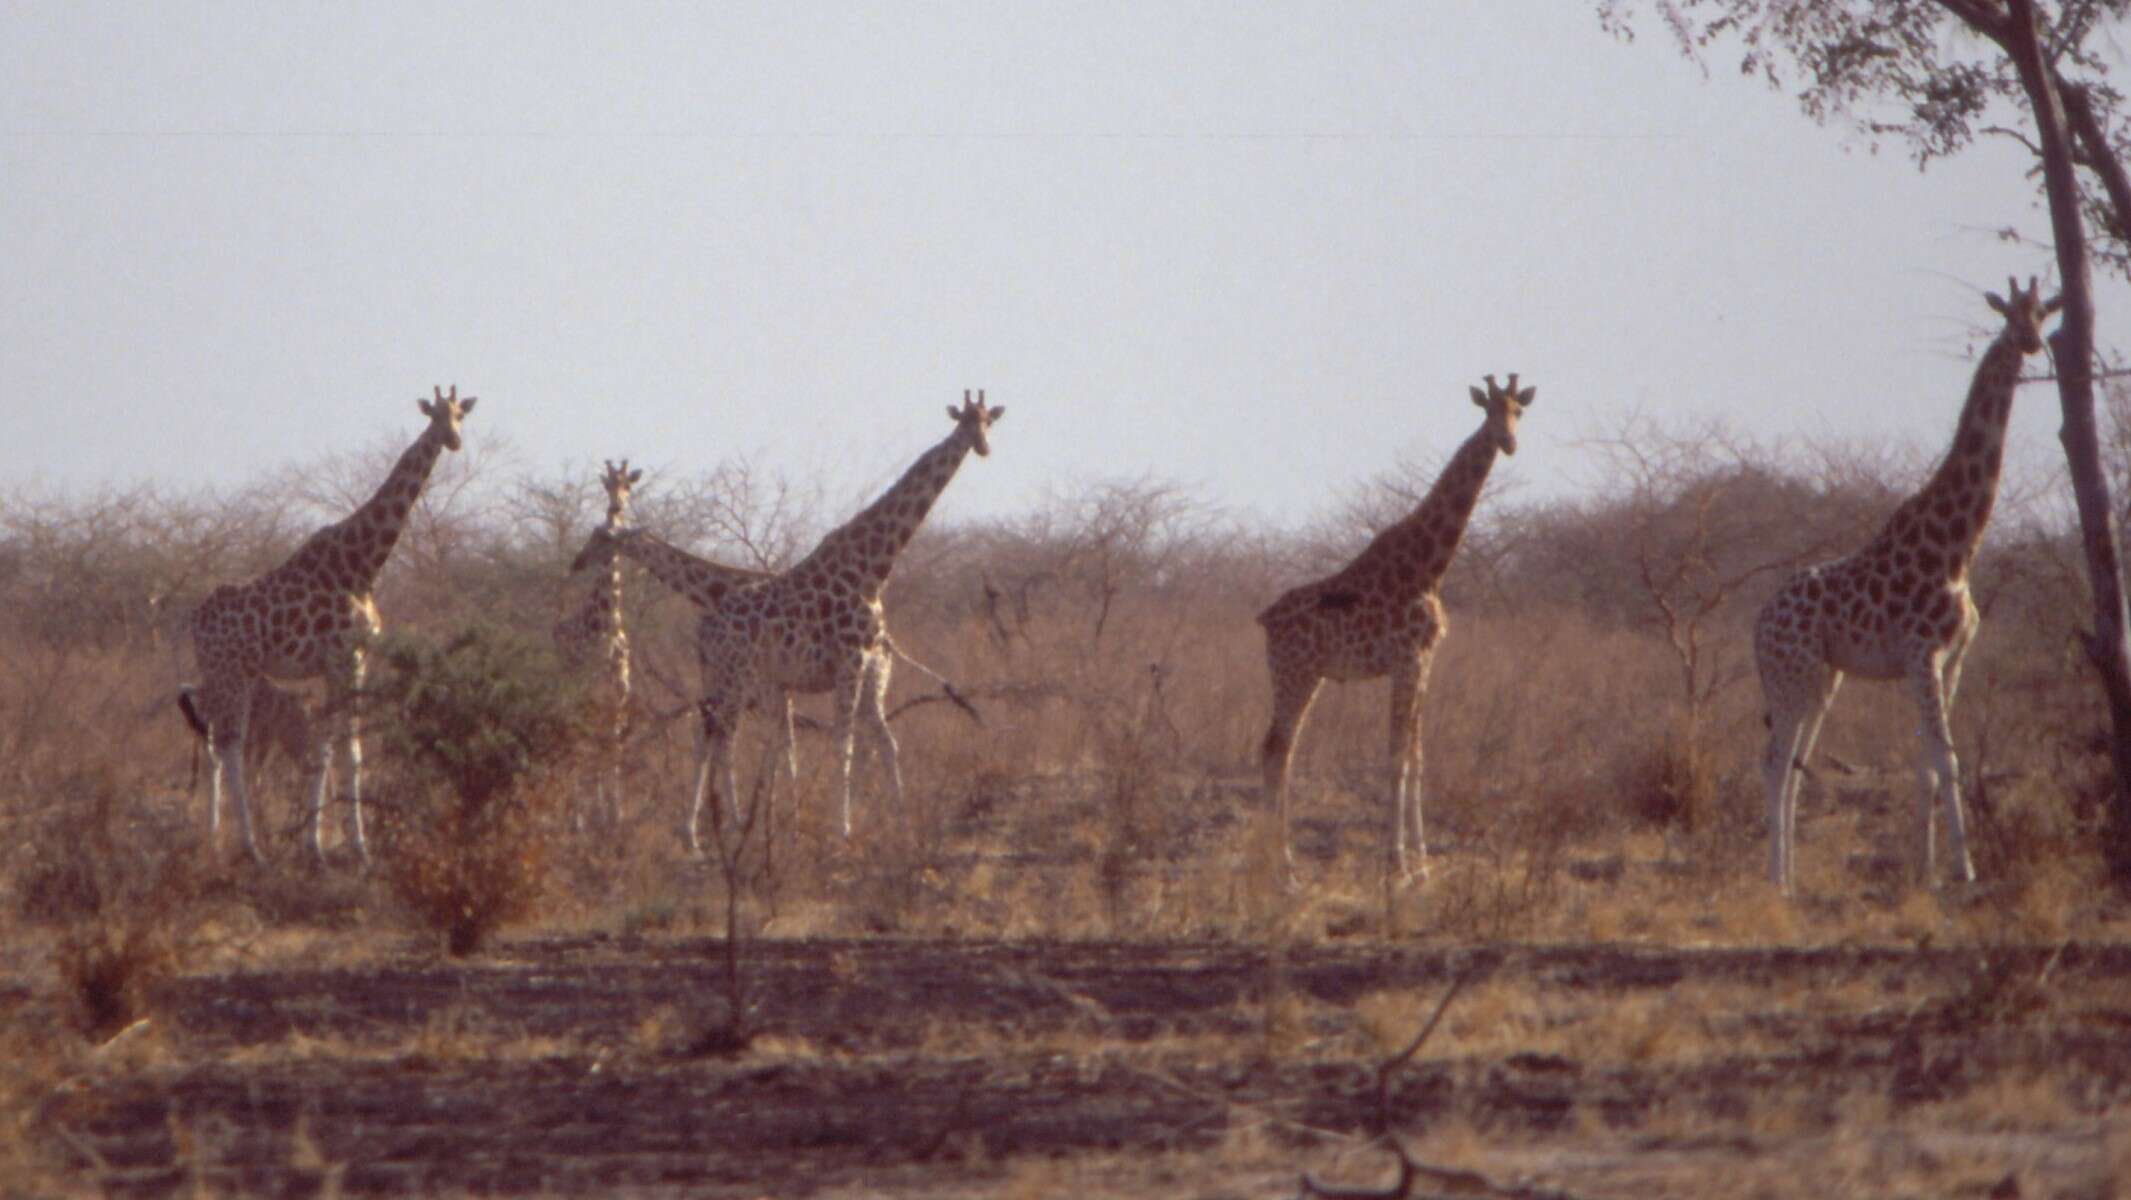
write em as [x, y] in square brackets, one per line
[1071, 963]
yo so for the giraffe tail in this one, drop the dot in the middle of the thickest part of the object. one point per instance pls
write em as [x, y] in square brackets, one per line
[191, 711]
[960, 701]
[199, 728]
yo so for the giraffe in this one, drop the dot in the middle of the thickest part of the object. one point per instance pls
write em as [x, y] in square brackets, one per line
[1899, 609]
[819, 626]
[703, 583]
[310, 617]
[1380, 616]
[595, 634]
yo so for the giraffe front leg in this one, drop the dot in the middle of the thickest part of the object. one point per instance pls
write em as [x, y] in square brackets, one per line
[873, 701]
[320, 778]
[791, 742]
[846, 693]
[1408, 688]
[355, 793]
[692, 824]
[1940, 779]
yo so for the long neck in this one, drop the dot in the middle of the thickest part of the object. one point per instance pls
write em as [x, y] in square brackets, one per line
[606, 600]
[1419, 548]
[352, 551]
[1954, 505]
[866, 546]
[702, 581]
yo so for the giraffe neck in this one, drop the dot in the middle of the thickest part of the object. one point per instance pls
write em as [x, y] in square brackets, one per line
[607, 598]
[1417, 550]
[702, 581]
[352, 551]
[865, 547]
[1949, 512]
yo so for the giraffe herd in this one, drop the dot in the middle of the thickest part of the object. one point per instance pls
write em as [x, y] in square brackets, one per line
[1898, 609]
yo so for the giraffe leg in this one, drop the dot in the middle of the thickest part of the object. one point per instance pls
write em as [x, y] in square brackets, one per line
[1293, 693]
[352, 735]
[847, 700]
[691, 826]
[873, 711]
[228, 707]
[791, 742]
[1940, 776]
[1798, 701]
[1409, 684]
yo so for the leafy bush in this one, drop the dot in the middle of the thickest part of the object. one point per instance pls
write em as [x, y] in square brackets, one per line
[475, 734]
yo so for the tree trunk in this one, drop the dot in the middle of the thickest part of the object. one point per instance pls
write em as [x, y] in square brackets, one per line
[2072, 345]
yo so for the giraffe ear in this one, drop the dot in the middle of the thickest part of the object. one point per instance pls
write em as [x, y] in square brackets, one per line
[636, 475]
[467, 406]
[1524, 398]
[2052, 305]
[953, 413]
[1478, 397]
[1997, 305]
[996, 413]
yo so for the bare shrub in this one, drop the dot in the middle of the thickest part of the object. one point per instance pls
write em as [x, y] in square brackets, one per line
[129, 893]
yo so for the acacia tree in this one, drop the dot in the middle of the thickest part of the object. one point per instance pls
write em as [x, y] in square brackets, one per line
[1939, 74]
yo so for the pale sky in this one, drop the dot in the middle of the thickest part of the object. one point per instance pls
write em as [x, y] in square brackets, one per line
[1257, 250]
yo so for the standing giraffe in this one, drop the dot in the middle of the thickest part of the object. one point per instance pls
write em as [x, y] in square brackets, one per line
[704, 584]
[595, 634]
[1379, 616]
[310, 617]
[819, 626]
[1897, 609]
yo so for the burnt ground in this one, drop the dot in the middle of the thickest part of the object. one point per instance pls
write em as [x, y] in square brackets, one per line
[592, 1065]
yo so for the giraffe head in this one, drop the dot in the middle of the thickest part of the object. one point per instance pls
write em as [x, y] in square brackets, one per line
[618, 481]
[974, 421]
[1504, 405]
[444, 414]
[2024, 312]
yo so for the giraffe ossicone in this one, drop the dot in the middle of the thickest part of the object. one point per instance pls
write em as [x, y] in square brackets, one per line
[311, 617]
[1380, 616]
[1898, 609]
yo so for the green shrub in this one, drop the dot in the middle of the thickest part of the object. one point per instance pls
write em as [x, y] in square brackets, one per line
[475, 735]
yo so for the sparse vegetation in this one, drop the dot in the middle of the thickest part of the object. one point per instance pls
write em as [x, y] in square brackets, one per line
[1086, 887]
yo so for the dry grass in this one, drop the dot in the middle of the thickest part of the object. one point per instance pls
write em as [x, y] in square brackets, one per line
[1111, 795]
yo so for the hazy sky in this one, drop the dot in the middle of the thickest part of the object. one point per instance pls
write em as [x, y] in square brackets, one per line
[1257, 250]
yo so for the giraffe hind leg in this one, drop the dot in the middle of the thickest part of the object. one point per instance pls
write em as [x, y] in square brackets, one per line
[1292, 697]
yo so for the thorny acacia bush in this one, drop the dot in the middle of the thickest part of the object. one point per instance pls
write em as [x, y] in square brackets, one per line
[1109, 641]
[475, 733]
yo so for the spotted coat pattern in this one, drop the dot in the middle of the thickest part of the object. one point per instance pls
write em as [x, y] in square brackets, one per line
[704, 583]
[1898, 609]
[308, 618]
[819, 626]
[1379, 616]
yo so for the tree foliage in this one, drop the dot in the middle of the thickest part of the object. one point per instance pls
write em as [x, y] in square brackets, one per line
[1920, 72]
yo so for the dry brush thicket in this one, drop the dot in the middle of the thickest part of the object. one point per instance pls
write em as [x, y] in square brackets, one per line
[1591, 738]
